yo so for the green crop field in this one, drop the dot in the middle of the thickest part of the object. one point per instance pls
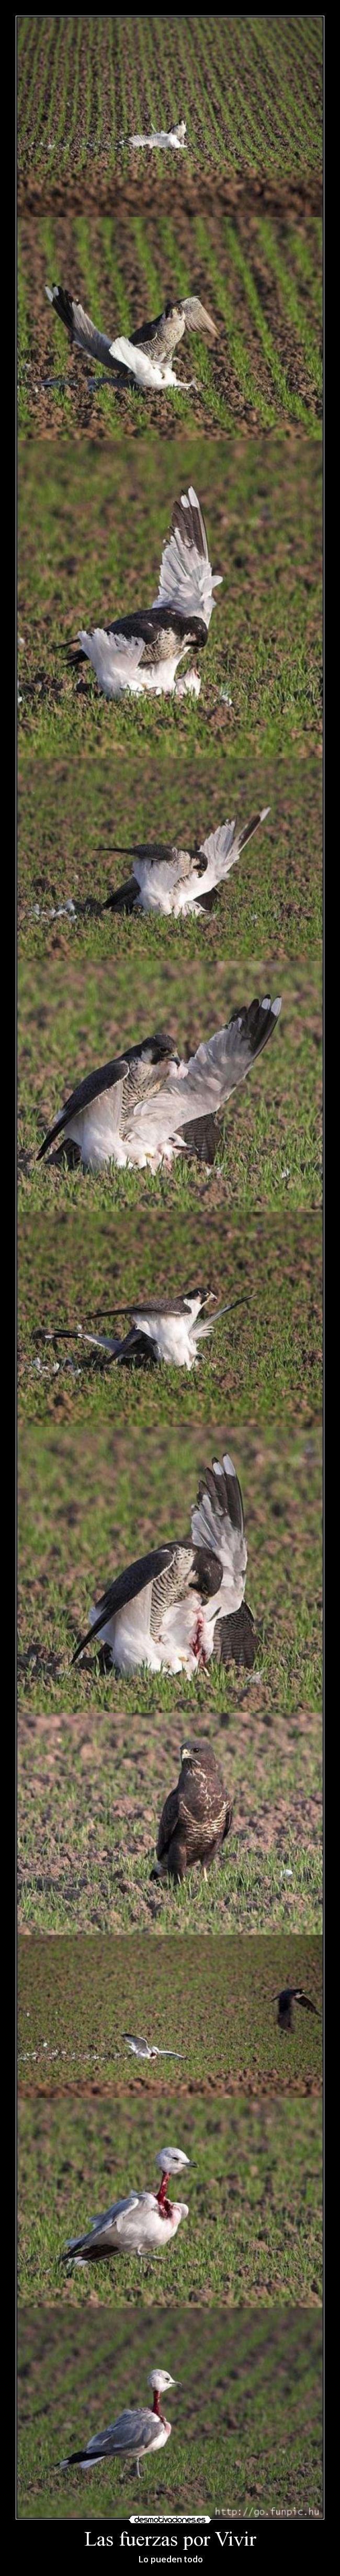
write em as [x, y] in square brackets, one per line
[260, 276]
[90, 546]
[270, 1148]
[259, 2377]
[250, 90]
[216, 2005]
[71, 815]
[255, 1361]
[93, 1773]
[247, 2164]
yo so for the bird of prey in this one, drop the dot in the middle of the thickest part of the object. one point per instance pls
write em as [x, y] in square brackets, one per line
[147, 353]
[144, 2223]
[140, 2048]
[147, 1105]
[291, 1995]
[167, 1329]
[171, 880]
[138, 2430]
[163, 1611]
[174, 139]
[142, 650]
[196, 1817]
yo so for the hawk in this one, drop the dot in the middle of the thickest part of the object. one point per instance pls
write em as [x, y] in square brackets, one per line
[164, 1609]
[196, 1817]
[166, 1330]
[147, 1106]
[142, 650]
[145, 354]
[291, 1995]
[169, 880]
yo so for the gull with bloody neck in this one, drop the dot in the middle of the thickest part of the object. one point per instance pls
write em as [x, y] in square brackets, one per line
[138, 2430]
[144, 2223]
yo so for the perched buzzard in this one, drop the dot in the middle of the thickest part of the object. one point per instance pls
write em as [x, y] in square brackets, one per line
[163, 1611]
[291, 1995]
[167, 879]
[196, 1818]
[146, 1106]
[139, 2429]
[142, 650]
[145, 354]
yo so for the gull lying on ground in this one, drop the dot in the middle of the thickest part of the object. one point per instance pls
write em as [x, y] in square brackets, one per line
[173, 139]
[146, 1106]
[168, 879]
[142, 651]
[143, 2223]
[138, 2430]
[166, 1329]
[146, 354]
[168, 1608]
[196, 1818]
[140, 2048]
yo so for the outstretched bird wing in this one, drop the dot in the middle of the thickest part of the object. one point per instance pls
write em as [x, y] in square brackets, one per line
[186, 581]
[217, 1522]
[222, 848]
[196, 316]
[81, 331]
[203, 1085]
[305, 2000]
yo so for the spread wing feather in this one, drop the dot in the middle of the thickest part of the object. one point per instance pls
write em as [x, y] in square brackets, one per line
[217, 1521]
[186, 579]
[203, 1084]
[196, 316]
[81, 331]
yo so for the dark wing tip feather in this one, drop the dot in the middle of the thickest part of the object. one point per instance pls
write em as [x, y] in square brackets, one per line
[122, 898]
[63, 305]
[224, 1493]
[257, 1022]
[188, 523]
